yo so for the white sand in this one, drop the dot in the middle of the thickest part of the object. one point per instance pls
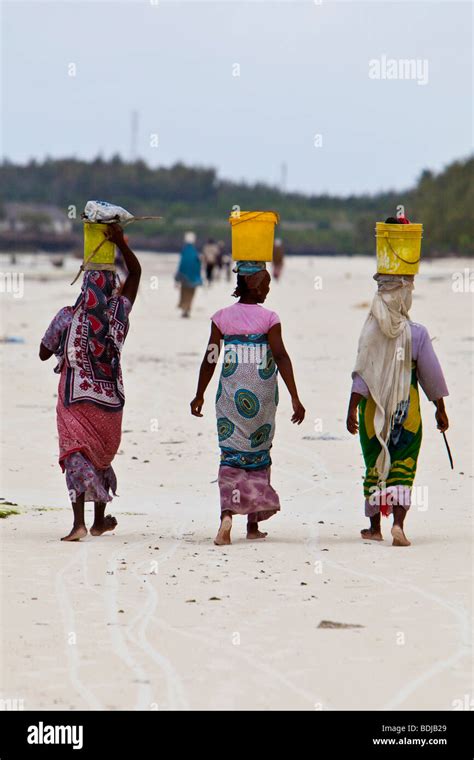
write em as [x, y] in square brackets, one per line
[129, 620]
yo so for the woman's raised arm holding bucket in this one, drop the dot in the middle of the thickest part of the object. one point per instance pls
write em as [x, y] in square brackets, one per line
[130, 288]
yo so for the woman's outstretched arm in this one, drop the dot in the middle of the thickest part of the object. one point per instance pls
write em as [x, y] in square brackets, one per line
[285, 368]
[206, 371]
[130, 288]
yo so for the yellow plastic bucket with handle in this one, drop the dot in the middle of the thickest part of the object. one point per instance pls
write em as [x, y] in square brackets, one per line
[99, 253]
[398, 248]
[252, 235]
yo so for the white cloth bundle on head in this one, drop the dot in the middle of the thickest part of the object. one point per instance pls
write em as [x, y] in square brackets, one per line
[384, 358]
[104, 212]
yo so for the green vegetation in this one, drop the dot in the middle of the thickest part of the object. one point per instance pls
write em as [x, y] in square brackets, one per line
[195, 198]
[6, 509]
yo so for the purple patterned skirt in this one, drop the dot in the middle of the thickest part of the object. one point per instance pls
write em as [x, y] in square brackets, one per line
[247, 492]
[83, 478]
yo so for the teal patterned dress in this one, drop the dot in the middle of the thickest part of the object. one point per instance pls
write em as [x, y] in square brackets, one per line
[246, 402]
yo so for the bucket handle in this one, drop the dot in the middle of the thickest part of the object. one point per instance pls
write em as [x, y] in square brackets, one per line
[401, 257]
[254, 217]
[83, 266]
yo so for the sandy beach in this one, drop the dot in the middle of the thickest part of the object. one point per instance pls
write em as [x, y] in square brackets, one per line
[154, 616]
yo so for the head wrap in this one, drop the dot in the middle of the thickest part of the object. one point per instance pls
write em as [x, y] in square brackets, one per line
[399, 286]
[384, 359]
[249, 267]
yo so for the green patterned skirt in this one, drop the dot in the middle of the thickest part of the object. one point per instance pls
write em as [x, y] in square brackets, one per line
[404, 444]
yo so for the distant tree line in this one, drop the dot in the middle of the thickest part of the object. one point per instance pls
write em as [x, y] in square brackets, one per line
[196, 198]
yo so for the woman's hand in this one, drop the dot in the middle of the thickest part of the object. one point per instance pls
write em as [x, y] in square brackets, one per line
[298, 411]
[44, 353]
[442, 420]
[115, 234]
[351, 423]
[196, 406]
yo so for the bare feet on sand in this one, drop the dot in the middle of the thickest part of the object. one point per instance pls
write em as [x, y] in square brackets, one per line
[223, 534]
[371, 535]
[109, 523]
[399, 538]
[255, 533]
[76, 534]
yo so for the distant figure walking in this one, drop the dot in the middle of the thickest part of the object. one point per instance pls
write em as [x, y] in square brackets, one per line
[189, 273]
[225, 260]
[210, 254]
[278, 257]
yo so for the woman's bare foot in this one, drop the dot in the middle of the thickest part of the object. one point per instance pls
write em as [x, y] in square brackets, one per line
[109, 523]
[399, 538]
[223, 534]
[368, 534]
[254, 533]
[76, 534]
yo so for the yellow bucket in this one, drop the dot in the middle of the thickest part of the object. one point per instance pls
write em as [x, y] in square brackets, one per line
[104, 256]
[252, 235]
[398, 248]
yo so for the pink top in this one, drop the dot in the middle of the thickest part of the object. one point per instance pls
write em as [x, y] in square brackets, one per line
[245, 319]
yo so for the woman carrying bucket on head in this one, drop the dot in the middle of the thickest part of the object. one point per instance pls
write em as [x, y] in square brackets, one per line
[394, 355]
[87, 339]
[247, 394]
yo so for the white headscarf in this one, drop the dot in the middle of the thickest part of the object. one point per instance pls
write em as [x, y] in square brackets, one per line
[190, 237]
[384, 358]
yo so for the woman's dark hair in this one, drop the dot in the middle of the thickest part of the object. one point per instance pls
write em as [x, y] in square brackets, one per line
[242, 287]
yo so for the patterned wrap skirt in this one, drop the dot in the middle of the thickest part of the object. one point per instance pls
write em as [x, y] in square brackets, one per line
[89, 438]
[404, 447]
[246, 404]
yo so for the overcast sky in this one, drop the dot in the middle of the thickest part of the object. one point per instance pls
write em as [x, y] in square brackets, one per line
[305, 94]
